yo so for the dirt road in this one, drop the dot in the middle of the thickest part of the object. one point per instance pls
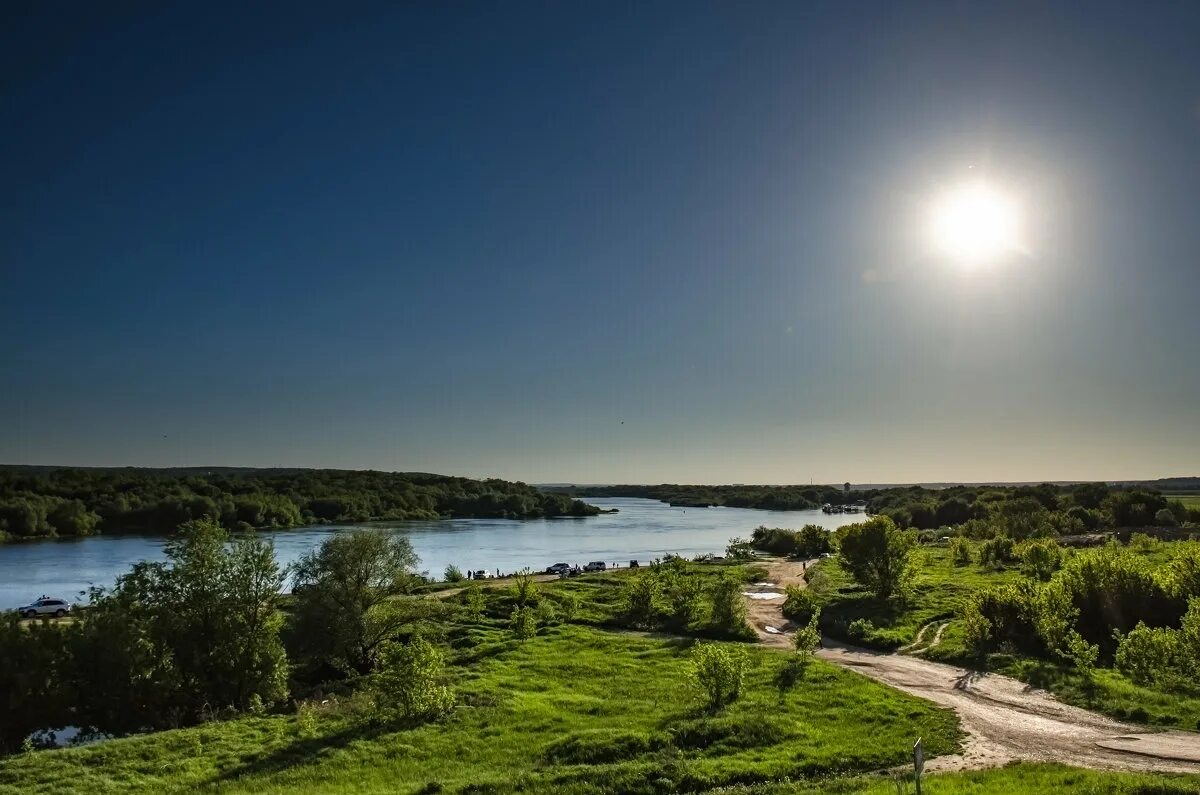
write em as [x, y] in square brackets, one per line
[1004, 718]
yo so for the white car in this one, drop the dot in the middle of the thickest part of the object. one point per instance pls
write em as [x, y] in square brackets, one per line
[45, 607]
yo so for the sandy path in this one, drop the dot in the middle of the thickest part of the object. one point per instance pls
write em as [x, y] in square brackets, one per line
[1005, 719]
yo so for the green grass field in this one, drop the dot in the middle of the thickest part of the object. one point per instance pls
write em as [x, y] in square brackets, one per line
[581, 708]
[575, 710]
[1189, 498]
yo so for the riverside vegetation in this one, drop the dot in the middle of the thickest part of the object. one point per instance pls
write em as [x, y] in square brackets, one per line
[1114, 626]
[38, 502]
[368, 679]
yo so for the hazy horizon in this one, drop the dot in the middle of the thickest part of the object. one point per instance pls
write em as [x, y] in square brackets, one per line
[621, 243]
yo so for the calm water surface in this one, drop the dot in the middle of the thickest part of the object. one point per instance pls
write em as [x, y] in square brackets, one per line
[643, 529]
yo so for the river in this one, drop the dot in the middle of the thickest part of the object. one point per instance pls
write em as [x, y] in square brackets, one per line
[641, 530]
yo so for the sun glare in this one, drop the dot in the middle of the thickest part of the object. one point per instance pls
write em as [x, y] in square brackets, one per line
[974, 224]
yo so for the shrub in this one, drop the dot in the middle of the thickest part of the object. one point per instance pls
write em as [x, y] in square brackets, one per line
[408, 686]
[568, 606]
[684, 592]
[718, 670]
[523, 622]
[1148, 655]
[960, 551]
[1001, 618]
[1164, 517]
[997, 552]
[1040, 558]
[739, 549]
[1183, 573]
[729, 609]
[640, 598]
[807, 638]
[524, 589]
[801, 604]
[546, 612]
[453, 574]
[473, 601]
[860, 630]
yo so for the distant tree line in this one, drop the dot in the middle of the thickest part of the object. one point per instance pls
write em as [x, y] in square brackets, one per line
[1024, 511]
[80, 502]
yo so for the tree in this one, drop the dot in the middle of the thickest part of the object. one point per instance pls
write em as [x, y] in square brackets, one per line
[729, 609]
[960, 551]
[176, 640]
[409, 685]
[683, 593]
[34, 685]
[718, 670]
[523, 622]
[453, 574]
[524, 589]
[640, 598]
[473, 601]
[878, 555]
[345, 592]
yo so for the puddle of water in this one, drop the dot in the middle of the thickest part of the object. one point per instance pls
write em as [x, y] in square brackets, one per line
[772, 631]
[755, 595]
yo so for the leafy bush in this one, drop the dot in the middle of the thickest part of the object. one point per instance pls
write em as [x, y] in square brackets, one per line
[960, 551]
[1148, 655]
[860, 630]
[408, 686]
[640, 597]
[523, 623]
[997, 552]
[739, 549]
[1040, 558]
[801, 604]
[524, 589]
[453, 574]
[1001, 618]
[718, 670]
[473, 601]
[807, 542]
[684, 594]
[728, 616]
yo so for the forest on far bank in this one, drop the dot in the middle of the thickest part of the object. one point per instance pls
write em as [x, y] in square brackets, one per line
[48, 502]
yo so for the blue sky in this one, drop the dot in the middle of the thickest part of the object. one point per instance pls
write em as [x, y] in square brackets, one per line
[600, 242]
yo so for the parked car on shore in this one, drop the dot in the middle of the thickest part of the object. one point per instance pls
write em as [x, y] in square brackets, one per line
[558, 568]
[596, 565]
[45, 607]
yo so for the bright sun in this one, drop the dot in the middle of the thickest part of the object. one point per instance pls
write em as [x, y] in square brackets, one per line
[974, 223]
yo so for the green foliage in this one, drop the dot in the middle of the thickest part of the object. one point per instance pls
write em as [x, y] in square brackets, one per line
[1182, 577]
[1149, 655]
[739, 549]
[1040, 558]
[809, 541]
[860, 630]
[807, 639]
[75, 502]
[453, 574]
[524, 589]
[344, 590]
[409, 684]
[801, 604]
[997, 552]
[176, 641]
[718, 671]
[684, 594]
[728, 617]
[523, 622]
[34, 667]
[960, 551]
[877, 554]
[473, 601]
[640, 598]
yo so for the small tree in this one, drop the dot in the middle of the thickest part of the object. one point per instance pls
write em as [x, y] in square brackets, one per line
[739, 549]
[718, 670]
[684, 592]
[960, 551]
[800, 604]
[523, 622]
[453, 574]
[729, 608]
[473, 601]
[409, 685]
[878, 555]
[524, 589]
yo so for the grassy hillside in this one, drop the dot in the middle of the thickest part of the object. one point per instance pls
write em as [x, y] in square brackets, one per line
[575, 710]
